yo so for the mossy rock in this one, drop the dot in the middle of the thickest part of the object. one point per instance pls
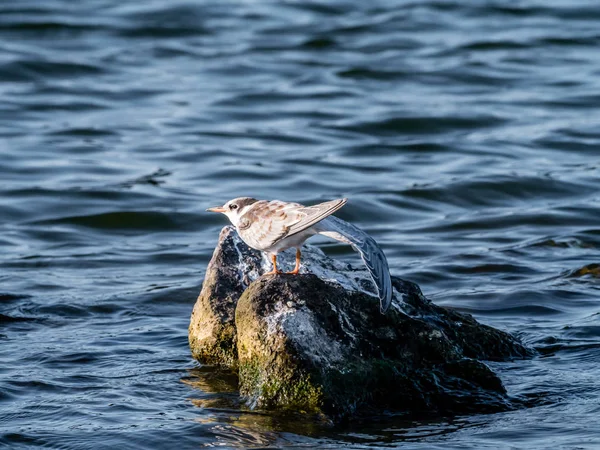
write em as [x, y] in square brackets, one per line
[309, 345]
[322, 347]
[212, 332]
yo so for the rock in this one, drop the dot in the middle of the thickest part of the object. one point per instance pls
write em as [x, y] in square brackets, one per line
[316, 342]
[212, 334]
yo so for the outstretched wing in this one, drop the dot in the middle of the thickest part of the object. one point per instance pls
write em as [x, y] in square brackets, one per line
[369, 250]
[267, 222]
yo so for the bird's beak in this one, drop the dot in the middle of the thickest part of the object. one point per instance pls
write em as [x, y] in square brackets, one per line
[218, 209]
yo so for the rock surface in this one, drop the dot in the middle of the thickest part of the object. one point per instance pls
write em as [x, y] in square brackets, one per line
[316, 342]
[212, 333]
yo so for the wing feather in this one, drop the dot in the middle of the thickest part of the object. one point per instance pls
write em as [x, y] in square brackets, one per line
[370, 252]
[309, 215]
[267, 222]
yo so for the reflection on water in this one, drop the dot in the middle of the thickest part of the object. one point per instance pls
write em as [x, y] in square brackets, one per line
[464, 134]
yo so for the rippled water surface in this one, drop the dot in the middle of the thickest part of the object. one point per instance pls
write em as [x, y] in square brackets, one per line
[466, 135]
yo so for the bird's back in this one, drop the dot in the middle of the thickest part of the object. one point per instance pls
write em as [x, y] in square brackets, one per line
[265, 223]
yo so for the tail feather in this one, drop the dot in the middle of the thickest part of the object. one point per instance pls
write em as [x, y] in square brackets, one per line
[369, 250]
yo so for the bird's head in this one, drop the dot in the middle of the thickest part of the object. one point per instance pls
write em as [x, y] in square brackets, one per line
[234, 209]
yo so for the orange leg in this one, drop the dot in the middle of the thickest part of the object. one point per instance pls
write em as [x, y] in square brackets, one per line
[275, 269]
[297, 268]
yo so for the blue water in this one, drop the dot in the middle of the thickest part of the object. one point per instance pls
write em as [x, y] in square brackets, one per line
[465, 134]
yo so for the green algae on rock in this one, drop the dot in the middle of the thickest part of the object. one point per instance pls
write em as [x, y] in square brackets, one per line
[212, 333]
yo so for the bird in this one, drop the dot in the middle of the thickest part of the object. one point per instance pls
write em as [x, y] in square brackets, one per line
[273, 226]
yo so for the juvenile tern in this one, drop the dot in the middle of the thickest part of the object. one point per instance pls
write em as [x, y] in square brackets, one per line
[274, 226]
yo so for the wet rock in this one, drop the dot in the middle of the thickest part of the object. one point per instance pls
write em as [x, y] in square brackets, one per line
[316, 342]
[212, 334]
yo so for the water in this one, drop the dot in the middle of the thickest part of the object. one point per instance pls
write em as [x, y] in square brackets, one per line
[466, 135]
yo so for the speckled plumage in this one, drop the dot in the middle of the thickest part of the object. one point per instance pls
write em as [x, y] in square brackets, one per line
[266, 224]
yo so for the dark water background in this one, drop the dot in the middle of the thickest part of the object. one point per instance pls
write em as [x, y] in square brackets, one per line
[466, 135]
